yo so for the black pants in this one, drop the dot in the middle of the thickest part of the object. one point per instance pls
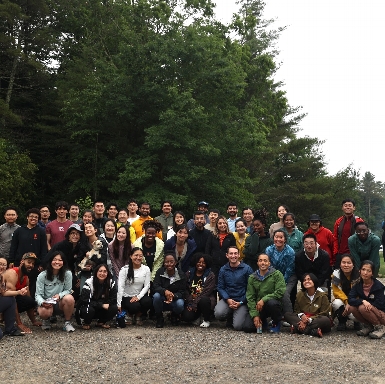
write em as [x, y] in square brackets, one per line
[8, 309]
[203, 308]
[103, 315]
[24, 303]
[141, 306]
[32, 277]
[272, 308]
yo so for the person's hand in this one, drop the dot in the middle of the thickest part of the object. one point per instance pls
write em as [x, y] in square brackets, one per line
[169, 296]
[134, 299]
[233, 304]
[119, 309]
[46, 305]
[367, 305]
[23, 291]
[259, 305]
[106, 306]
[304, 319]
[257, 321]
[56, 297]
[346, 310]
[301, 326]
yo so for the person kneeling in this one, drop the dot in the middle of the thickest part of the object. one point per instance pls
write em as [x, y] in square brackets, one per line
[311, 309]
[265, 290]
[169, 288]
[53, 292]
[98, 298]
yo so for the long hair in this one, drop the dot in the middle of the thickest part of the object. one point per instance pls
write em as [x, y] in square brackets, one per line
[101, 289]
[130, 272]
[313, 278]
[216, 232]
[62, 270]
[174, 225]
[346, 284]
[126, 245]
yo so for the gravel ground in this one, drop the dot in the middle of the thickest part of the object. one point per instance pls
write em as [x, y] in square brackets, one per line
[188, 354]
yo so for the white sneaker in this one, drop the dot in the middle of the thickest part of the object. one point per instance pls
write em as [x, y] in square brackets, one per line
[68, 327]
[205, 324]
[285, 324]
[46, 325]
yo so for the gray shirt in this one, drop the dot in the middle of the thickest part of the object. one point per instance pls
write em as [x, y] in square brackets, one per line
[6, 233]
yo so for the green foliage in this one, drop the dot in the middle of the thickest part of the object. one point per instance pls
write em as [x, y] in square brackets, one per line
[84, 203]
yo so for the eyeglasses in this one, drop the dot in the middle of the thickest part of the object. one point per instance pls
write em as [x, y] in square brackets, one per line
[308, 243]
[362, 231]
[3, 265]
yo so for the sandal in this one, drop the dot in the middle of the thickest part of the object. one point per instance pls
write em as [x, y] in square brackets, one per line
[86, 326]
[103, 325]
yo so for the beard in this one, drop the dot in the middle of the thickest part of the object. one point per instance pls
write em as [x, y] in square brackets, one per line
[24, 270]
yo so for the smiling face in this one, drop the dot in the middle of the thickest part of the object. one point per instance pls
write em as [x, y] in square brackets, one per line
[122, 217]
[248, 215]
[74, 236]
[137, 258]
[57, 263]
[32, 220]
[27, 265]
[233, 256]
[259, 227]
[362, 232]
[61, 212]
[280, 212]
[102, 274]
[213, 216]
[3, 265]
[112, 212]
[10, 216]
[166, 208]
[150, 235]
[308, 282]
[222, 226]
[169, 263]
[199, 221]
[348, 208]
[179, 219]
[346, 265]
[87, 217]
[279, 240]
[201, 265]
[263, 263]
[74, 211]
[310, 245]
[288, 222]
[182, 235]
[90, 230]
[240, 227]
[109, 229]
[315, 225]
[232, 210]
[366, 272]
[121, 235]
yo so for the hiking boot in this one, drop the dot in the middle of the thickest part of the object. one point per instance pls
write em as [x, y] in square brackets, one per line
[159, 321]
[357, 326]
[275, 328]
[175, 319]
[341, 326]
[379, 331]
[68, 327]
[46, 325]
[366, 329]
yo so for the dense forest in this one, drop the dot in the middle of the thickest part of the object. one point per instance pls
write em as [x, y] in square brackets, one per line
[157, 99]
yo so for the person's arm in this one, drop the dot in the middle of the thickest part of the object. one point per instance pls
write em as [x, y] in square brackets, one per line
[324, 268]
[335, 236]
[222, 285]
[158, 283]
[146, 285]
[40, 288]
[112, 297]
[14, 246]
[121, 285]
[338, 293]
[353, 250]
[251, 249]
[207, 290]
[159, 256]
[132, 234]
[354, 297]
[299, 270]
[67, 285]
[10, 282]
[374, 254]
[252, 297]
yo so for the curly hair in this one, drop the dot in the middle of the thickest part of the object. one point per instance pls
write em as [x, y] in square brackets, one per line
[216, 232]
[152, 224]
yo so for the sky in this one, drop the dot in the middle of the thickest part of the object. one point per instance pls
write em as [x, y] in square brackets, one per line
[331, 56]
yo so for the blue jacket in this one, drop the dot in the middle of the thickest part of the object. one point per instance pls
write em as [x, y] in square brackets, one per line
[283, 260]
[376, 295]
[170, 244]
[232, 283]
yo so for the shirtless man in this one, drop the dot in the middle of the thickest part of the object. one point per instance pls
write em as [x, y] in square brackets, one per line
[16, 280]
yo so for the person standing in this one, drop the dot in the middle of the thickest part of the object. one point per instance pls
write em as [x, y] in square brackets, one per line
[144, 210]
[99, 218]
[74, 214]
[45, 213]
[132, 207]
[232, 210]
[166, 218]
[7, 230]
[57, 229]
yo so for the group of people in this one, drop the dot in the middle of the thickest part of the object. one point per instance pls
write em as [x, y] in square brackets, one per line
[122, 266]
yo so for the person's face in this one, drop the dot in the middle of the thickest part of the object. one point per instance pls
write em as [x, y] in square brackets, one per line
[213, 216]
[241, 228]
[57, 262]
[137, 258]
[166, 208]
[10, 216]
[308, 282]
[150, 235]
[222, 226]
[32, 219]
[258, 227]
[109, 229]
[74, 211]
[89, 230]
[87, 217]
[279, 240]
[232, 255]
[169, 263]
[346, 265]
[3, 265]
[314, 225]
[348, 208]
[112, 212]
[202, 208]
[28, 265]
[362, 232]
[132, 207]
[74, 236]
[61, 212]
[45, 213]
[144, 210]
[281, 211]
[99, 208]
[122, 217]
[179, 219]
[263, 263]
[248, 215]
[310, 245]
[366, 272]
[182, 235]
[288, 222]
[201, 265]
[232, 210]
[121, 235]
[199, 221]
[102, 273]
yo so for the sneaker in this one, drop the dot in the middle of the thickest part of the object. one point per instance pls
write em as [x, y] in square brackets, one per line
[379, 331]
[46, 325]
[68, 327]
[205, 324]
[341, 326]
[285, 324]
[15, 332]
[366, 329]
[275, 328]
[357, 326]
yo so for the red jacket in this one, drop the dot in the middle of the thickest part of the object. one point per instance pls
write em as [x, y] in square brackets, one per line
[338, 228]
[325, 239]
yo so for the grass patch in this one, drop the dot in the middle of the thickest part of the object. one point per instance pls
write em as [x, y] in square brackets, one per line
[381, 272]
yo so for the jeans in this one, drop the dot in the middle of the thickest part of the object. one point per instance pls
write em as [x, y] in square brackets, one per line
[176, 306]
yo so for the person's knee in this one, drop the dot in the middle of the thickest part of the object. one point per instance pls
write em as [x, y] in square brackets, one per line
[221, 310]
[179, 306]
